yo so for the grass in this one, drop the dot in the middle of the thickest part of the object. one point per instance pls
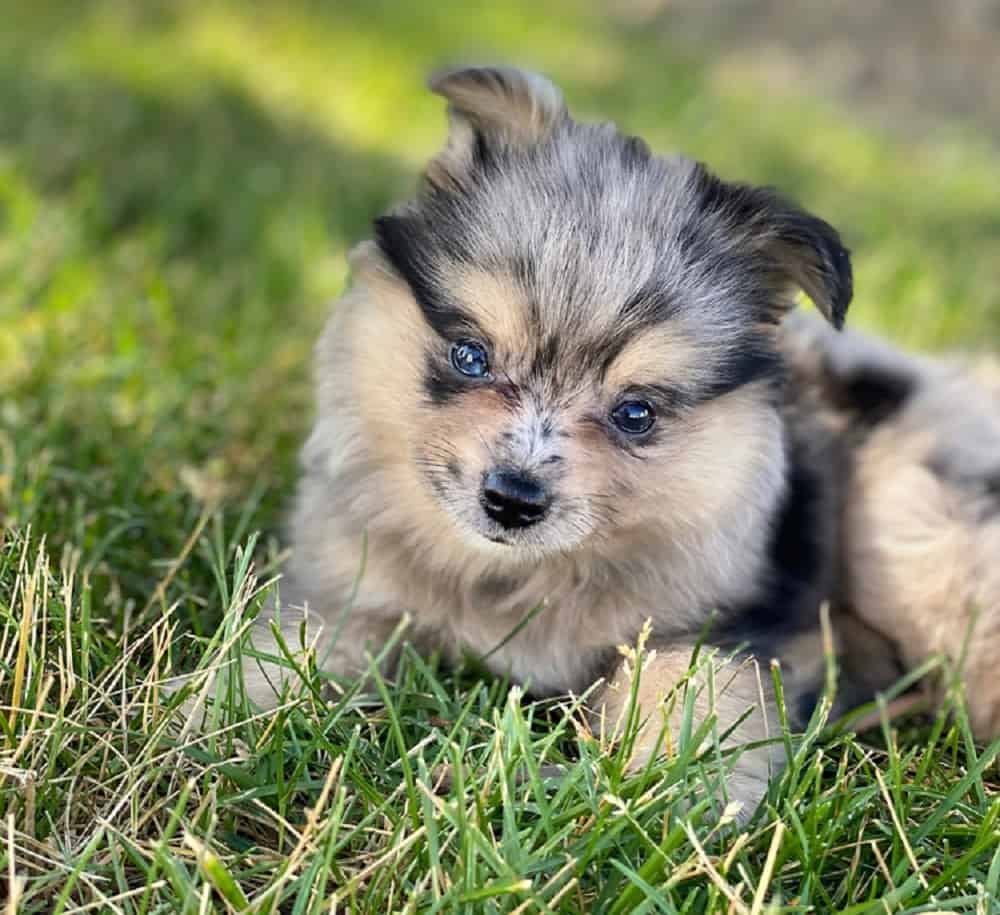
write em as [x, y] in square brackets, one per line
[179, 183]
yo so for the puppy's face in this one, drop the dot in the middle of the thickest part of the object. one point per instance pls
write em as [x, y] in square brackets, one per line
[568, 340]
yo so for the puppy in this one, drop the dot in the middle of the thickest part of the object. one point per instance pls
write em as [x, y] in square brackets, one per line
[920, 518]
[558, 391]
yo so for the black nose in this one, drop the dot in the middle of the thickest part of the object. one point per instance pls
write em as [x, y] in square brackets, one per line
[513, 499]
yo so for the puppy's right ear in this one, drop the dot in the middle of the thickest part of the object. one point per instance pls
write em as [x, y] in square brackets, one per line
[491, 108]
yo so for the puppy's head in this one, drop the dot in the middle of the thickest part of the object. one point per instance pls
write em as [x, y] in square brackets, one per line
[566, 339]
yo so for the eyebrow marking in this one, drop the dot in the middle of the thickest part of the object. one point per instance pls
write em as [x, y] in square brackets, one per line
[399, 239]
[649, 354]
[670, 361]
[667, 399]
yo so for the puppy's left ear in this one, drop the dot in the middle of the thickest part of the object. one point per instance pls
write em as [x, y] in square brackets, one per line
[801, 250]
[505, 103]
[489, 109]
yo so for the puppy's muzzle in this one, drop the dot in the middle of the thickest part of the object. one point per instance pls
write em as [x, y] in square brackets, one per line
[513, 499]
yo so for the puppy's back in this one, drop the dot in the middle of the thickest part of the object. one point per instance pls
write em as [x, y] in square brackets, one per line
[920, 525]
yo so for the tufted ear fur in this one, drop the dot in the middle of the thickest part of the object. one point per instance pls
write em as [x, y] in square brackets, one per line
[802, 250]
[491, 108]
[809, 251]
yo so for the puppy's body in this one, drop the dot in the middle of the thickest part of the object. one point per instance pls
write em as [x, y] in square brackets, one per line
[920, 513]
[561, 381]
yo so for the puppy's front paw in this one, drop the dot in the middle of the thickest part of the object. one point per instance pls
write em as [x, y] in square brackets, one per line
[686, 707]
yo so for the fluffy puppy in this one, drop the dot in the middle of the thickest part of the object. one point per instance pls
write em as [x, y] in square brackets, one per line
[920, 518]
[558, 381]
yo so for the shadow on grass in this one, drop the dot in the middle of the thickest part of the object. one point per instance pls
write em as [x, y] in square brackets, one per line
[161, 295]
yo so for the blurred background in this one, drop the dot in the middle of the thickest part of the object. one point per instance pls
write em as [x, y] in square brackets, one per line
[180, 181]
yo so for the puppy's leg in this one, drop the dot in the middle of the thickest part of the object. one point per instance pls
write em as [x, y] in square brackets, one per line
[922, 557]
[734, 690]
[868, 660]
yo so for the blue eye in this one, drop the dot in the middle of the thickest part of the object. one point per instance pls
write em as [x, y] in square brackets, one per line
[470, 359]
[633, 417]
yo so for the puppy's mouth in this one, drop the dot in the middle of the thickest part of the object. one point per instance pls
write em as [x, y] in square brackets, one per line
[492, 537]
[548, 534]
[506, 521]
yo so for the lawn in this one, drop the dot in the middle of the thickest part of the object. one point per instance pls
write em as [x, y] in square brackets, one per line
[179, 183]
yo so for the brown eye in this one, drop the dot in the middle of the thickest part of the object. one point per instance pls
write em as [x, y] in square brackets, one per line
[633, 417]
[469, 358]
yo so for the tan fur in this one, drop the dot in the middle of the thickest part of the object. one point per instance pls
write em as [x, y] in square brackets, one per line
[730, 690]
[590, 603]
[923, 561]
[498, 303]
[663, 350]
[920, 531]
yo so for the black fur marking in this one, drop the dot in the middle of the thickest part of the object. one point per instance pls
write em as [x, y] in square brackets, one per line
[796, 565]
[694, 242]
[403, 242]
[635, 152]
[441, 384]
[545, 358]
[485, 156]
[753, 360]
[991, 486]
[603, 353]
[509, 391]
[712, 191]
[523, 270]
[874, 393]
[454, 468]
[667, 400]
[796, 551]
[832, 259]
